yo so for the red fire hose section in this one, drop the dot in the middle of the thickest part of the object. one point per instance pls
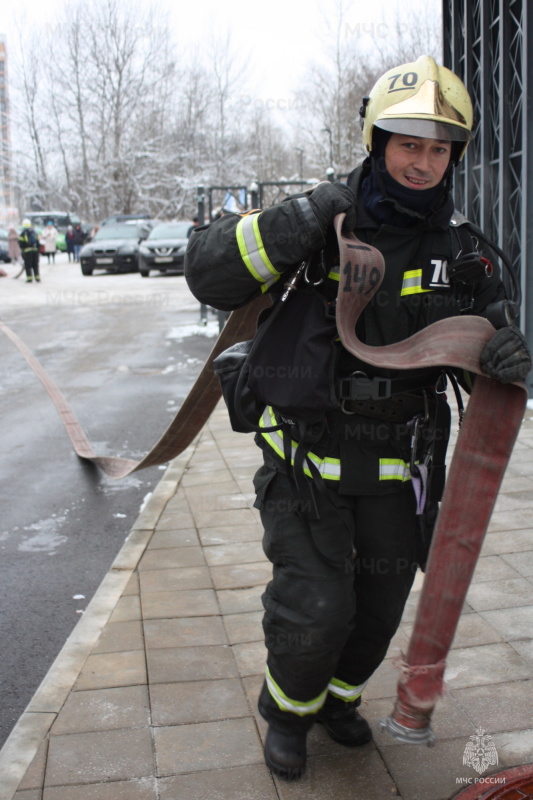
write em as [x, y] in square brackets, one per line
[486, 439]
[188, 422]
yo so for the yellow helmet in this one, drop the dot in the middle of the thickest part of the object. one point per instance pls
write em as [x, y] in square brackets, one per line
[419, 99]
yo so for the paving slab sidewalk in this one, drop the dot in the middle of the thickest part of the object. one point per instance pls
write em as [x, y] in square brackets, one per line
[153, 696]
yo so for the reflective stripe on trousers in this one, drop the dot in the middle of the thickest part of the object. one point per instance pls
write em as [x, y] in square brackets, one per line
[336, 687]
[345, 691]
[329, 468]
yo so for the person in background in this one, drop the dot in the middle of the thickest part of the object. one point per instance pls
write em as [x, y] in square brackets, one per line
[13, 246]
[29, 247]
[69, 241]
[49, 241]
[78, 238]
[193, 226]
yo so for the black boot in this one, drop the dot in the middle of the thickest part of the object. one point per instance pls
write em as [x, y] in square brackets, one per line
[344, 723]
[286, 753]
[285, 745]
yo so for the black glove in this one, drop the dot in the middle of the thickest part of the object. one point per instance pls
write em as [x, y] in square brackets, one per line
[330, 199]
[506, 356]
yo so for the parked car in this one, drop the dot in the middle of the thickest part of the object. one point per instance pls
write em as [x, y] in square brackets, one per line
[4, 247]
[115, 248]
[164, 249]
[114, 218]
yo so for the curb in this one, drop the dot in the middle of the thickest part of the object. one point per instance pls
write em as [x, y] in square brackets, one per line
[36, 720]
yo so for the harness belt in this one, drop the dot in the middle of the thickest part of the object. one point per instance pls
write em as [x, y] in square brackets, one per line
[486, 439]
[358, 386]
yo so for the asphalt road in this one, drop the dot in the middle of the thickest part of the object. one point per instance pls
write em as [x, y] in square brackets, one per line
[124, 350]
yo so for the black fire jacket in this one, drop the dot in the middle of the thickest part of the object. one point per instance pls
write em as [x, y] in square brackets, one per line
[238, 257]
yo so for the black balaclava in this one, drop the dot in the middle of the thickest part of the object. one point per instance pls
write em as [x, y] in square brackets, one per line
[391, 203]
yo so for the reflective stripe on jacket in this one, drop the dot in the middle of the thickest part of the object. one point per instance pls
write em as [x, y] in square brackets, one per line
[253, 251]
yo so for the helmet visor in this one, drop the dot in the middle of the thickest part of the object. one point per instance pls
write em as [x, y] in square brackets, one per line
[425, 128]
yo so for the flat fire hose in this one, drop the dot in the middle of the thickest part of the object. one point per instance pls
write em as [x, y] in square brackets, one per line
[188, 422]
[485, 442]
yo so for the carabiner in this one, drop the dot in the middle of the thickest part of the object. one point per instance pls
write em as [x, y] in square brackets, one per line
[417, 422]
[322, 267]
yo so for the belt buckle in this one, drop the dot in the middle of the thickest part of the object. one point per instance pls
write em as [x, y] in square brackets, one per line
[382, 388]
[361, 387]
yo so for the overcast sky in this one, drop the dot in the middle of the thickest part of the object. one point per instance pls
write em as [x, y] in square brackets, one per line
[280, 36]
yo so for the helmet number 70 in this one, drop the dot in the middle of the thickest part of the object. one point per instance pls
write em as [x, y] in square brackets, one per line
[409, 79]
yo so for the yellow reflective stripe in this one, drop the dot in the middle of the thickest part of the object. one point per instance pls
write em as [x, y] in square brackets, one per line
[253, 252]
[393, 469]
[345, 691]
[412, 282]
[329, 468]
[335, 273]
[295, 706]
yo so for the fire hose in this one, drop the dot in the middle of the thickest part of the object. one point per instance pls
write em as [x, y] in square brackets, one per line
[189, 420]
[485, 442]
[486, 439]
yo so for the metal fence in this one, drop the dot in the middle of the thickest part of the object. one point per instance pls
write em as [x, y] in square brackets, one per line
[486, 44]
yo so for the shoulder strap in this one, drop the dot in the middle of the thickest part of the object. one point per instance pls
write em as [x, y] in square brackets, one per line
[460, 223]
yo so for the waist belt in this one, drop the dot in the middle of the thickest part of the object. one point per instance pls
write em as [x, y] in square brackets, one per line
[358, 386]
[398, 408]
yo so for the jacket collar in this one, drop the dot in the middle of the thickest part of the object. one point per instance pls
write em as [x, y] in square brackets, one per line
[438, 219]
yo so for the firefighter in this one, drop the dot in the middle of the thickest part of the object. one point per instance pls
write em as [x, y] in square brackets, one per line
[29, 247]
[345, 550]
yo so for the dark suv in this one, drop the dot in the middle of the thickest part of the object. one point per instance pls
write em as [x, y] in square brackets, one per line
[115, 248]
[164, 249]
[118, 218]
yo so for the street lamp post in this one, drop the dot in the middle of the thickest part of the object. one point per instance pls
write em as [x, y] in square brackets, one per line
[254, 194]
[301, 152]
[330, 135]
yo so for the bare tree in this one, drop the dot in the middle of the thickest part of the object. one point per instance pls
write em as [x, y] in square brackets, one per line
[346, 71]
[334, 86]
[228, 71]
[413, 33]
[115, 122]
[26, 107]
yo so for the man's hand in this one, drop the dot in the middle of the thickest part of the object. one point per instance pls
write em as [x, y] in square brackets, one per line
[506, 356]
[330, 199]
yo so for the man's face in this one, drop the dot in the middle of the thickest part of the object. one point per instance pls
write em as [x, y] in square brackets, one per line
[416, 162]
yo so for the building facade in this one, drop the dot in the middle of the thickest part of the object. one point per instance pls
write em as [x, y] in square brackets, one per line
[7, 212]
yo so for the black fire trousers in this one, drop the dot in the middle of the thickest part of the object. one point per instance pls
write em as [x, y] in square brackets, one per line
[31, 263]
[339, 586]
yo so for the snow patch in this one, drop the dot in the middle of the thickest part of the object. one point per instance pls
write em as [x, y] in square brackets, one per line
[145, 501]
[185, 331]
[47, 539]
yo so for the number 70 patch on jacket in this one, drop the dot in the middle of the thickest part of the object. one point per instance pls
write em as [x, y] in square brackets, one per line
[435, 275]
